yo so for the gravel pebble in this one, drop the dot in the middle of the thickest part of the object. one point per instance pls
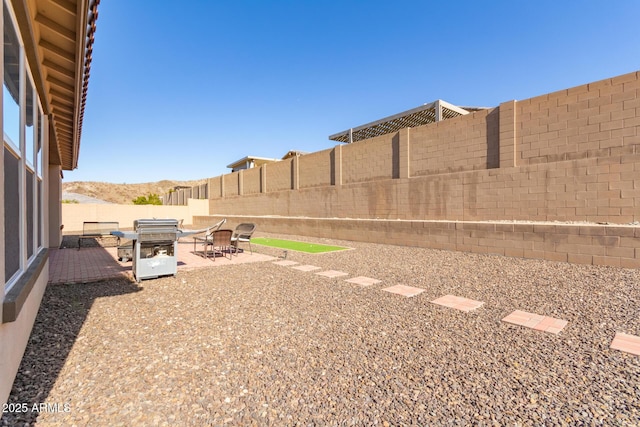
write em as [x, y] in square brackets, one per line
[262, 344]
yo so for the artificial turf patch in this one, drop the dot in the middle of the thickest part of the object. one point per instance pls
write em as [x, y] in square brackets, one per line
[312, 248]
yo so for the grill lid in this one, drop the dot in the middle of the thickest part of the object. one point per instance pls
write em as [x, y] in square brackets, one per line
[161, 223]
[156, 230]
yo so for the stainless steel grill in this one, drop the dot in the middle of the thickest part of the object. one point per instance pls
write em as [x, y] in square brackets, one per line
[155, 247]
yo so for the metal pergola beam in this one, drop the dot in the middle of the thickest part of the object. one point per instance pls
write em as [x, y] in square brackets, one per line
[425, 114]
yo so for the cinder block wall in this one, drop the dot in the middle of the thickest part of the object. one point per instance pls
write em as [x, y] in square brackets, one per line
[317, 169]
[372, 160]
[571, 155]
[251, 181]
[279, 175]
[461, 144]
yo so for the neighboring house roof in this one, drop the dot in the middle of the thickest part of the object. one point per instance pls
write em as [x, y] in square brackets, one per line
[251, 161]
[294, 153]
[62, 45]
[425, 114]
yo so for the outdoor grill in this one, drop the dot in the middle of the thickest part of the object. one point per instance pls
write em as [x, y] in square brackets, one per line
[155, 247]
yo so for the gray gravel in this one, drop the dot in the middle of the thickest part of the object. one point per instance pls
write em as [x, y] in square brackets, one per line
[262, 344]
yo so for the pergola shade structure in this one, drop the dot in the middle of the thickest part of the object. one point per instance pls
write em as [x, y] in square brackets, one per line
[63, 34]
[425, 114]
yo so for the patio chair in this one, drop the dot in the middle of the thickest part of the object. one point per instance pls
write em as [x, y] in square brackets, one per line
[218, 240]
[243, 233]
[208, 237]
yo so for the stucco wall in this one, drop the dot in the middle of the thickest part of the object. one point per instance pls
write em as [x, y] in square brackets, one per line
[14, 335]
[73, 215]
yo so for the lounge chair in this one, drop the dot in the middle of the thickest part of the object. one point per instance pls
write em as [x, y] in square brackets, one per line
[243, 233]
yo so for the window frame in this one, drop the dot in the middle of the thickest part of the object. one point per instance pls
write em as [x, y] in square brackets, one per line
[31, 236]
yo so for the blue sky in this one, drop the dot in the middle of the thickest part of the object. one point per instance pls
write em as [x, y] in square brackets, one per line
[180, 89]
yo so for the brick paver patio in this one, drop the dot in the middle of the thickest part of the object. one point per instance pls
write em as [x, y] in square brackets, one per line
[94, 264]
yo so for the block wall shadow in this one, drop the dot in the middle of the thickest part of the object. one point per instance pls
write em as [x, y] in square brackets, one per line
[493, 139]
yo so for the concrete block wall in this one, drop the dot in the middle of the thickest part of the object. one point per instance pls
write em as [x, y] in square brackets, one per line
[231, 184]
[596, 244]
[601, 189]
[252, 181]
[460, 144]
[279, 175]
[317, 169]
[592, 189]
[370, 160]
[571, 155]
[214, 187]
[593, 120]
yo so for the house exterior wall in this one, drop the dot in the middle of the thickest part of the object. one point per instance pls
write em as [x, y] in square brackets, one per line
[33, 181]
[14, 335]
[54, 206]
[571, 155]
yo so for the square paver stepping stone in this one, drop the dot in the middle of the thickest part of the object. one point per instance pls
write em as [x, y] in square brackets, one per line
[627, 343]
[459, 303]
[285, 263]
[405, 291]
[536, 321]
[363, 281]
[332, 273]
[306, 267]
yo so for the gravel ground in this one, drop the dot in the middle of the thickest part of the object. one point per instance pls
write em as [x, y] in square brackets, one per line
[262, 344]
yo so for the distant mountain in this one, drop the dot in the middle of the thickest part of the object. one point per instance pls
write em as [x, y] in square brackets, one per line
[121, 193]
[81, 198]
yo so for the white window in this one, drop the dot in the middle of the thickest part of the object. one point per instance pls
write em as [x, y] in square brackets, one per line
[11, 82]
[22, 164]
[13, 157]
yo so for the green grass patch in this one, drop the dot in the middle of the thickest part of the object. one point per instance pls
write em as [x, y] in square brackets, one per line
[312, 248]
